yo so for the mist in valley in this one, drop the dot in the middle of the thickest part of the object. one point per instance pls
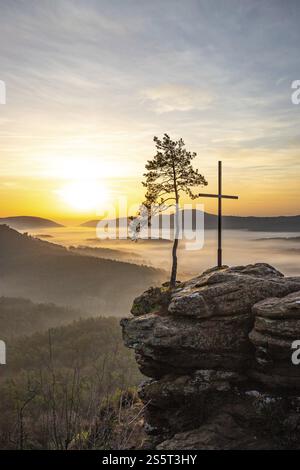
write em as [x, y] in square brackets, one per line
[239, 247]
[47, 272]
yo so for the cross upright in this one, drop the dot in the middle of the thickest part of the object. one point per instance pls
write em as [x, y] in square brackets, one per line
[220, 196]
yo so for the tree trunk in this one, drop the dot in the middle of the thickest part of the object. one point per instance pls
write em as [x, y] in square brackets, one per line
[174, 250]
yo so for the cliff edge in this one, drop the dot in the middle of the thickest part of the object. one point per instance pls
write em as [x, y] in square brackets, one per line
[218, 351]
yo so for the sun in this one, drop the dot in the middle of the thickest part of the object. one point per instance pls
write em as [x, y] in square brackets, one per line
[84, 195]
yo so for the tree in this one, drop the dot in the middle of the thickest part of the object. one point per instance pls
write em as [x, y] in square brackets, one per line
[169, 174]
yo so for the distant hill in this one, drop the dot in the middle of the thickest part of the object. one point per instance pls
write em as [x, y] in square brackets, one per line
[46, 272]
[230, 222]
[263, 224]
[107, 253]
[284, 239]
[20, 316]
[26, 222]
[94, 222]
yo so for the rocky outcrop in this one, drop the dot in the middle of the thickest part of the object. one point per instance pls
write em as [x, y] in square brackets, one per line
[213, 343]
[218, 352]
[277, 325]
[221, 432]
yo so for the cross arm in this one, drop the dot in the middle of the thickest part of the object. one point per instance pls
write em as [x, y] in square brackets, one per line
[228, 197]
[223, 196]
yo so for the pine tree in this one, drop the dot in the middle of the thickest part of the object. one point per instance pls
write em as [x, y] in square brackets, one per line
[169, 174]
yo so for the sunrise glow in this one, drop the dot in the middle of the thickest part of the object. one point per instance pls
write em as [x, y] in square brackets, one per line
[84, 104]
[84, 195]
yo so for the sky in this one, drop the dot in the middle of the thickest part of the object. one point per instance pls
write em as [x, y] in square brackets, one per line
[89, 83]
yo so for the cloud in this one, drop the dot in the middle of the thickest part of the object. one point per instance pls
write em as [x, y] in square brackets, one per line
[177, 97]
[95, 80]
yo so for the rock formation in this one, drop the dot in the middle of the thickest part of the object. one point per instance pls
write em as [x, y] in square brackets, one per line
[218, 353]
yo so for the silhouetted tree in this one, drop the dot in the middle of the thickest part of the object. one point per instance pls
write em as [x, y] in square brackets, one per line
[169, 174]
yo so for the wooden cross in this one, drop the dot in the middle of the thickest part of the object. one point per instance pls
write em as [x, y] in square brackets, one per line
[220, 196]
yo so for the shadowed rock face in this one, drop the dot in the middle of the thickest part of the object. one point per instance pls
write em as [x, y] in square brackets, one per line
[221, 432]
[218, 351]
[277, 325]
[277, 308]
[168, 344]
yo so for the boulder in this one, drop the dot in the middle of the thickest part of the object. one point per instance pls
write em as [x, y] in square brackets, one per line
[230, 291]
[153, 299]
[277, 325]
[176, 389]
[166, 344]
[257, 421]
[221, 432]
[175, 403]
[277, 308]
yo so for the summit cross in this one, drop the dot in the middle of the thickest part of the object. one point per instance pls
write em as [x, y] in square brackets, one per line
[220, 196]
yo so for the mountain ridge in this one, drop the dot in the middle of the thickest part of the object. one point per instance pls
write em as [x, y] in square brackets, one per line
[288, 223]
[24, 222]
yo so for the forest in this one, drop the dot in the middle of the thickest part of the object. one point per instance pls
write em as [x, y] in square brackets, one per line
[70, 387]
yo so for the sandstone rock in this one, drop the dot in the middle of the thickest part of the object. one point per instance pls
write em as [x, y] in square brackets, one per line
[174, 389]
[153, 299]
[288, 329]
[259, 421]
[230, 291]
[258, 269]
[273, 365]
[286, 307]
[277, 379]
[222, 432]
[213, 346]
[175, 345]
[176, 403]
[272, 336]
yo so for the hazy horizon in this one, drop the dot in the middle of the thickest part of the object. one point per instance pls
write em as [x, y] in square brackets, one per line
[73, 222]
